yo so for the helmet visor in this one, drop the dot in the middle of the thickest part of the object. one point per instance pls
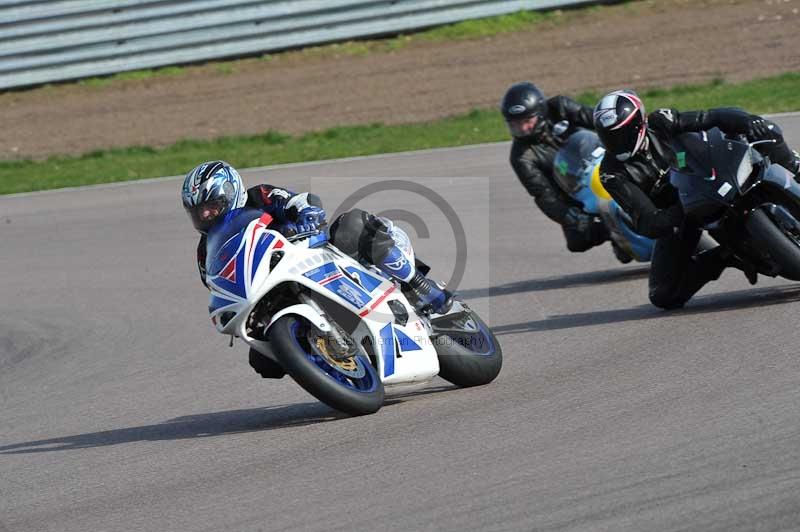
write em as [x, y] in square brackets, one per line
[623, 143]
[523, 126]
[206, 214]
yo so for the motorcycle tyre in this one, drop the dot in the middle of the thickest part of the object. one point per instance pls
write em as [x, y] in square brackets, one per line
[781, 248]
[316, 382]
[464, 368]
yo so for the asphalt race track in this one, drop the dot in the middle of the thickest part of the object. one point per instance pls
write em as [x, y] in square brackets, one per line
[122, 409]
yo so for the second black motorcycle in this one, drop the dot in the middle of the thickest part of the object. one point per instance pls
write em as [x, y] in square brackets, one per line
[744, 201]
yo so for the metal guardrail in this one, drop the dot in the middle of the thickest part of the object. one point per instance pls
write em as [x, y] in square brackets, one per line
[44, 41]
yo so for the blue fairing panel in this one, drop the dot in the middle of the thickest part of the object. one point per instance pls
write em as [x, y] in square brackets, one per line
[387, 350]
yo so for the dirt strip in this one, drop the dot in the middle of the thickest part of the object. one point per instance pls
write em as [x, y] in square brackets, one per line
[643, 44]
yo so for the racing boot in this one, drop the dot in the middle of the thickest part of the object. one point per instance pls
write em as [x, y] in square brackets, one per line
[620, 253]
[748, 269]
[427, 296]
[267, 368]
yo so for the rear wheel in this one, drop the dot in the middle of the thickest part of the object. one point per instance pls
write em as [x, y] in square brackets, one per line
[778, 234]
[469, 354]
[351, 385]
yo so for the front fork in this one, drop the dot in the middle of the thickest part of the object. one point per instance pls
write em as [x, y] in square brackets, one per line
[784, 220]
[335, 337]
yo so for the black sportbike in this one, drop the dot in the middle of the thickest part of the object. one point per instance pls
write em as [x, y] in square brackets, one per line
[744, 201]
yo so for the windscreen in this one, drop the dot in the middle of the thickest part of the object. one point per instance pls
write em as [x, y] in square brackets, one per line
[576, 159]
[708, 154]
[224, 238]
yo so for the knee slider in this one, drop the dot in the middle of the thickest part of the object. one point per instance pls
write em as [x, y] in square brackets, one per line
[665, 299]
[577, 246]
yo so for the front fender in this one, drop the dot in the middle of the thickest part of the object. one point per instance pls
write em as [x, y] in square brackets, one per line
[304, 311]
[782, 183]
[300, 309]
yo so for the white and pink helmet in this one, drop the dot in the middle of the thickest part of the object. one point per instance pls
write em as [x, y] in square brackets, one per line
[621, 123]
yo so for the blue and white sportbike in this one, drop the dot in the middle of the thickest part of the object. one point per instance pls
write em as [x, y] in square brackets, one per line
[577, 171]
[342, 329]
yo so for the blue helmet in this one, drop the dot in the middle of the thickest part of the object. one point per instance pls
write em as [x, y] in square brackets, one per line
[210, 191]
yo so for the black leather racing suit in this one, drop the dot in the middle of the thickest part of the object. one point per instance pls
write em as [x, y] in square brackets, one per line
[532, 159]
[641, 187]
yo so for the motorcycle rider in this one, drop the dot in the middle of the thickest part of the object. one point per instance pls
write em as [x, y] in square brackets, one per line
[213, 191]
[539, 126]
[635, 172]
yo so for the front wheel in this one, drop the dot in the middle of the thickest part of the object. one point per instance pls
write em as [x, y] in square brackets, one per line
[351, 385]
[779, 236]
[469, 353]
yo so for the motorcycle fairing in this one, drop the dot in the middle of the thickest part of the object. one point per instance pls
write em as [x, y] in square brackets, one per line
[366, 280]
[577, 172]
[576, 159]
[225, 263]
[638, 246]
[705, 197]
[705, 177]
[777, 177]
[404, 353]
[352, 284]
[394, 344]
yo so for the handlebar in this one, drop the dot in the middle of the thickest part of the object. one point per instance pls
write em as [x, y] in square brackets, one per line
[301, 236]
[768, 141]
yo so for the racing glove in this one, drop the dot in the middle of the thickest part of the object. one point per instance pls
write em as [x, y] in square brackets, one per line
[592, 227]
[758, 128]
[309, 219]
[306, 220]
[303, 211]
[578, 220]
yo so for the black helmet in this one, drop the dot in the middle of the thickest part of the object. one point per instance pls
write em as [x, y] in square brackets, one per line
[522, 102]
[621, 123]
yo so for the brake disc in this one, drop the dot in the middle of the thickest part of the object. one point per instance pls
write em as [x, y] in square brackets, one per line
[348, 366]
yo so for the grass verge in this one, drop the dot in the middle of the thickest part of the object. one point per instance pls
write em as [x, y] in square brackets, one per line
[775, 94]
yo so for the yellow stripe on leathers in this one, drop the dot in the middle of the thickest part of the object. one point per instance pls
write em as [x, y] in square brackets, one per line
[596, 186]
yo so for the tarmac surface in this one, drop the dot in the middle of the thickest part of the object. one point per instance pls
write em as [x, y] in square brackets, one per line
[122, 409]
